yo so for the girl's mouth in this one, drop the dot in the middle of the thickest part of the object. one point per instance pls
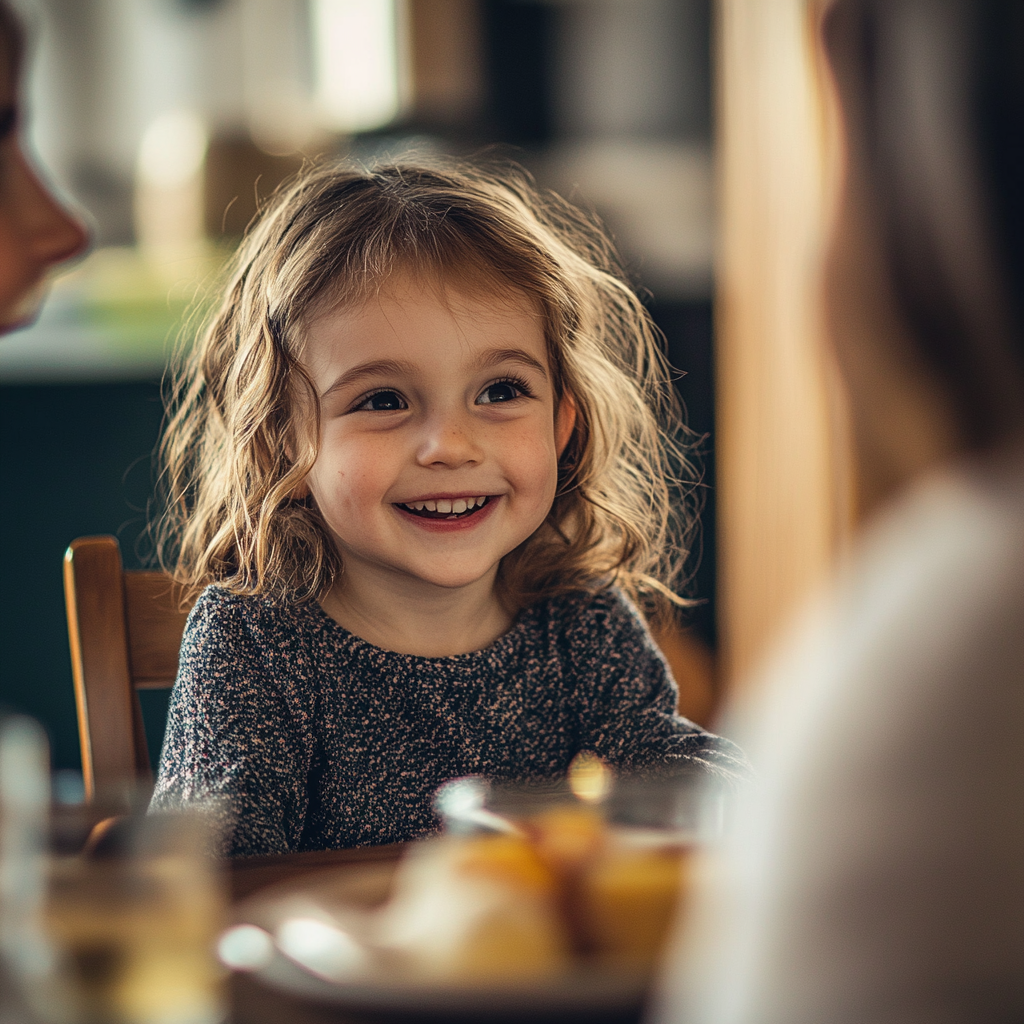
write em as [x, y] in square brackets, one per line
[445, 508]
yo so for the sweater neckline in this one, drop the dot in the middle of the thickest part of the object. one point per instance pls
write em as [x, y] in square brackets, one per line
[505, 643]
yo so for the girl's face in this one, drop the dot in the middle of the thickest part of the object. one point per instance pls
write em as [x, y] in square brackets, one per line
[440, 433]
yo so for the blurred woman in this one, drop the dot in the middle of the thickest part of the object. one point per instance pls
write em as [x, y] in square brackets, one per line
[877, 874]
[36, 232]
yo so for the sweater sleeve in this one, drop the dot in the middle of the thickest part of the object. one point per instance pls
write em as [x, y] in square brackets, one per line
[627, 697]
[235, 742]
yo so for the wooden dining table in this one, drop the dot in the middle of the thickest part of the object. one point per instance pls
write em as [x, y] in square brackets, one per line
[250, 874]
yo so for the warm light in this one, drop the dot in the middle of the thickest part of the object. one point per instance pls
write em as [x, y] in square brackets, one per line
[169, 197]
[589, 777]
[358, 66]
[172, 149]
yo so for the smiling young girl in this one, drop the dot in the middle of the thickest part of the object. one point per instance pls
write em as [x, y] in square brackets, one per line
[415, 460]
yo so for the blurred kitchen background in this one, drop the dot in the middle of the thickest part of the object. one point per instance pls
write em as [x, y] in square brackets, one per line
[166, 120]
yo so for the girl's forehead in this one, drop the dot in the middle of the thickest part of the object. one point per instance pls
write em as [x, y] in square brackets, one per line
[410, 288]
[430, 321]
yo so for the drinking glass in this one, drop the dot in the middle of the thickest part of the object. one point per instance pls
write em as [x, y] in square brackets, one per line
[131, 925]
[106, 917]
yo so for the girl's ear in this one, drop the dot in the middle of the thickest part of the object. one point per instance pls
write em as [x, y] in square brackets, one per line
[565, 420]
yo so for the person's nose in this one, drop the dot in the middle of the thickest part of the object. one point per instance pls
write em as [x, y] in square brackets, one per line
[448, 441]
[52, 233]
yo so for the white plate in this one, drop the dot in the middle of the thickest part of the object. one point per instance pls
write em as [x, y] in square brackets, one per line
[583, 994]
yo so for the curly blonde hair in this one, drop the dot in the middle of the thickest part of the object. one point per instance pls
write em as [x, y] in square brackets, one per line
[234, 454]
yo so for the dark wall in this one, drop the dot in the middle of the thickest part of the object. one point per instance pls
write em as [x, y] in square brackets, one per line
[519, 40]
[74, 460]
[689, 334]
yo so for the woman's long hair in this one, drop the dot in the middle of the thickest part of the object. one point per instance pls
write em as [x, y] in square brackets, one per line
[933, 92]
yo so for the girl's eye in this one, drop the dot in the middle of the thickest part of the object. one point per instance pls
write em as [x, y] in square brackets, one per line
[500, 391]
[382, 401]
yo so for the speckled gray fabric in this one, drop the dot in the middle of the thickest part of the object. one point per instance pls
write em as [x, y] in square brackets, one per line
[312, 738]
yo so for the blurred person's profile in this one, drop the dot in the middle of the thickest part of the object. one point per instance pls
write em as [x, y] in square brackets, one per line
[877, 870]
[36, 231]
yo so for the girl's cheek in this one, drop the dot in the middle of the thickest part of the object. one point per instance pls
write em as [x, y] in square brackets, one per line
[364, 464]
[344, 449]
[533, 454]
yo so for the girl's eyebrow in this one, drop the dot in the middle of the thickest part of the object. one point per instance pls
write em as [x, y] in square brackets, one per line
[376, 368]
[511, 355]
[393, 367]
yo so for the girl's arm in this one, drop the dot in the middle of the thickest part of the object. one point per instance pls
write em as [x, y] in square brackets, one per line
[233, 741]
[627, 697]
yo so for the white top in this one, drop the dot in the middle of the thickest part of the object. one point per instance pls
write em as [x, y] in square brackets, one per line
[877, 871]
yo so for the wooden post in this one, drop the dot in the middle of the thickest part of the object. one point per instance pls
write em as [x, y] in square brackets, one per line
[783, 457]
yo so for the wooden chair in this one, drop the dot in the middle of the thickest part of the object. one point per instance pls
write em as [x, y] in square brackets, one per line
[125, 629]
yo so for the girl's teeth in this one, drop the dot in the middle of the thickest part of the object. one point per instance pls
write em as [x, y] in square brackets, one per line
[448, 506]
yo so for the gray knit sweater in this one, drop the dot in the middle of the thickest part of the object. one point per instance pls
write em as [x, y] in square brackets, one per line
[310, 738]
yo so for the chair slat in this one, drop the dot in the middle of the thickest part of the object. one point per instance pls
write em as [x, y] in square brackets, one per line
[94, 592]
[125, 630]
[156, 621]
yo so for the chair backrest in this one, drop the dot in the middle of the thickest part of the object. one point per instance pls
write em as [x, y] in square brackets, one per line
[125, 630]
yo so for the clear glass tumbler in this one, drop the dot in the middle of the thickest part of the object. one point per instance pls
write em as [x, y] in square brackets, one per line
[131, 925]
[106, 917]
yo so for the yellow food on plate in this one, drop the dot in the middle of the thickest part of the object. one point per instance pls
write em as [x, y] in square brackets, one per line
[631, 897]
[566, 891]
[475, 911]
[507, 860]
[567, 837]
[507, 938]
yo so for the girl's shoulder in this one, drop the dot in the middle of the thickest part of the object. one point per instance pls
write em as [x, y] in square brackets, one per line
[220, 611]
[604, 646]
[216, 602]
[600, 604]
[244, 637]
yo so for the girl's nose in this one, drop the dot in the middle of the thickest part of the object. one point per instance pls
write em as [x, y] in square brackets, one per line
[449, 443]
[51, 233]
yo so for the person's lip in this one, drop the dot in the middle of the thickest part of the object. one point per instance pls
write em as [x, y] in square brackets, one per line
[474, 498]
[446, 495]
[454, 523]
[26, 311]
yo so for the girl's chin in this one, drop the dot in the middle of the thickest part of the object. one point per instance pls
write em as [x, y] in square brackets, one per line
[453, 577]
